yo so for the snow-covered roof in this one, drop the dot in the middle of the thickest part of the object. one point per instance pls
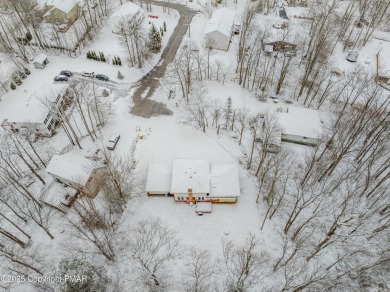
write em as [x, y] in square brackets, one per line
[203, 207]
[34, 111]
[63, 5]
[190, 173]
[222, 20]
[127, 9]
[302, 122]
[40, 58]
[55, 193]
[159, 177]
[72, 167]
[224, 180]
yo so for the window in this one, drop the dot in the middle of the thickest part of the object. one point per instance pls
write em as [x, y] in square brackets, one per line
[47, 118]
[305, 138]
[49, 127]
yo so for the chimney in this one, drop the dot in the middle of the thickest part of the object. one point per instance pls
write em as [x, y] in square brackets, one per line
[190, 197]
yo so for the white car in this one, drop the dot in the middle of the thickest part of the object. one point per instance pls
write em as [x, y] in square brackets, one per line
[111, 144]
[88, 74]
[352, 56]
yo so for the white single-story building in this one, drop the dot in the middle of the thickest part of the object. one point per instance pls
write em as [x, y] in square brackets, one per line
[125, 11]
[40, 61]
[301, 126]
[194, 180]
[76, 171]
[190, 178]
[34, 114]
[159, 179]
[219, 29]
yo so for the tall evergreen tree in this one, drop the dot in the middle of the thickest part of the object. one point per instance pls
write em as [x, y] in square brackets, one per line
[154, 40]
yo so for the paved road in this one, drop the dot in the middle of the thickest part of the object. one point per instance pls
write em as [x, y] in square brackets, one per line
[143, 106]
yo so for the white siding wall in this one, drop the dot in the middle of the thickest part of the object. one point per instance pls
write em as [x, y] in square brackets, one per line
[299, 139]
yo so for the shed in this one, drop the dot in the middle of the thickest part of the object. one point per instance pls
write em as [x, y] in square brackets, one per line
[219, 29]
[203, 207]
[279, 46]
[301, 126]
[40, 61]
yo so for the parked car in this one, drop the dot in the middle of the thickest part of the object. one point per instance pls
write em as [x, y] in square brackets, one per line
[66, 73]
[88, 74]
[237, 27]
[112, 142]
[352, 56]
[102, 77]
[61, 78]
[274, 99]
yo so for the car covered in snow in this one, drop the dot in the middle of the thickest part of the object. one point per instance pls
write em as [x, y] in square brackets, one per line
[66, 73]
[275, 99]
[88, 74]
[102, 77]
[111, 144]
[352, 56]
[61, 78]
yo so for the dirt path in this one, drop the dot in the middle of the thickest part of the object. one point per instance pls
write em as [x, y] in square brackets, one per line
[143, 106]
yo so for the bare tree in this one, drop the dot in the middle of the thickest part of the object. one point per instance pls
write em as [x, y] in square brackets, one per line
[152, 246]
[242, 120]
[120, 182]
[200, 270]
[94, 227]
[245, 265]
[197, 108]
[133, 37]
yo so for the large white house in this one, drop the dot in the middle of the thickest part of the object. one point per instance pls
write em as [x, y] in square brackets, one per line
[194, 180]
[219, 29]
[34, 113]
[301, 125]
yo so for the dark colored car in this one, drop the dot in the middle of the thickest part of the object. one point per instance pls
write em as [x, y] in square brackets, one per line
[102, 77]
[66, 73]
[61, 78]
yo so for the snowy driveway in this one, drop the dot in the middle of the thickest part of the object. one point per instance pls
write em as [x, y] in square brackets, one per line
[143, 106]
